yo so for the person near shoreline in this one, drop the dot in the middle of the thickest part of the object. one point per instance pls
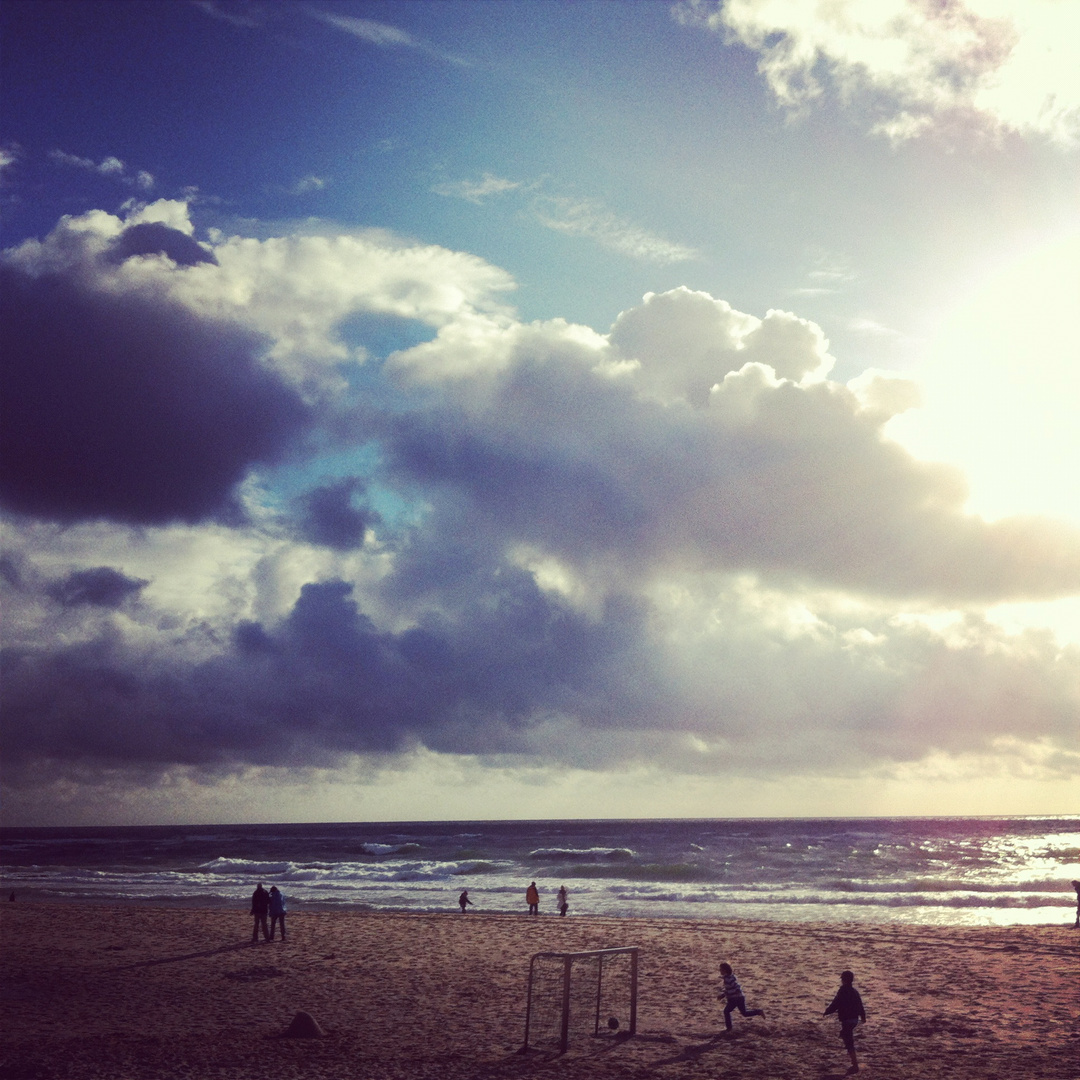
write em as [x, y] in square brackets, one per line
[1075, 885]
[260, 906]
[735, 999]
[849, 1011]
[277, 911]
[562, 903]
[532, 898]
[464, 900]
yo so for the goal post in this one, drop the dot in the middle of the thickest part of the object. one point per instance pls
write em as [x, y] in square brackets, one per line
[569, 992]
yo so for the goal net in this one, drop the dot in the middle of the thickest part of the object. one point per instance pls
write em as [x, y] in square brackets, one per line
[573, 994]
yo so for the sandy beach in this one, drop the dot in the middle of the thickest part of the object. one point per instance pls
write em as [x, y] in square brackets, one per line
[148, 992]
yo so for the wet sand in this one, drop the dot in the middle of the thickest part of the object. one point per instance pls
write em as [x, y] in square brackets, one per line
[148, 992]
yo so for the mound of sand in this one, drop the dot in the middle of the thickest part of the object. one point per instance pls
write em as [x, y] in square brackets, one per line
[303, 1026]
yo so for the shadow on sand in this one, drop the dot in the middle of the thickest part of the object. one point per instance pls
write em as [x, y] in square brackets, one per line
[186, 956]
[582, 1047]
[693, 1051]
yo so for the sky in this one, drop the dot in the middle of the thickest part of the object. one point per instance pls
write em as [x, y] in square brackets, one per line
[539, 410]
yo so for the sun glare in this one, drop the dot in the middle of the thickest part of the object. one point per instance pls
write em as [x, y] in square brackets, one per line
[1001, 380]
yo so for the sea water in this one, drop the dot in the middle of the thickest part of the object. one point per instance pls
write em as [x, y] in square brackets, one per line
[973, 871]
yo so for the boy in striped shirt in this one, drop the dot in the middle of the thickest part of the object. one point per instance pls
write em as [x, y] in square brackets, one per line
[735, 999]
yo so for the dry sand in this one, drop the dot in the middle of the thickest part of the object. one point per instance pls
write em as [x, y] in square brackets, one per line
[147, 992]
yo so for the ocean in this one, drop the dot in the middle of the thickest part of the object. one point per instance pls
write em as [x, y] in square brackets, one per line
[966, 871]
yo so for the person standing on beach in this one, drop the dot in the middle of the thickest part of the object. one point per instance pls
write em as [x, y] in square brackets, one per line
[562, 903]
[735, 999]
[260, 905]
[463, 899]
[1075, 885]
[849, 1011]
[532, 898]
[277, 911]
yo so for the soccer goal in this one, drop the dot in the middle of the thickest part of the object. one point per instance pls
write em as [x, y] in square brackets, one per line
[572, 994]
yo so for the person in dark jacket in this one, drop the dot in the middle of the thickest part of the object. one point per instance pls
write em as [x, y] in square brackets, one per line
[277, 911]
[463, 900]
[260, 905]
[849, 1011]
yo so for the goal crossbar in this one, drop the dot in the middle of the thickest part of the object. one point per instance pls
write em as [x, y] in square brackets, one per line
[568, 959]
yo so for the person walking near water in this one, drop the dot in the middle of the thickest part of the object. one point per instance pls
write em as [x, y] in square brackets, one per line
[1075, 885]
[562, 902]
[260, 905]
[849, 1011]
[735, 999]
[532, 898]
[463, 899]
[277, 911]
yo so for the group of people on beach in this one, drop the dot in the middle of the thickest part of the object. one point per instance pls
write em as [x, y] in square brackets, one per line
[265, 904]
[532, 898]
[846, 1004]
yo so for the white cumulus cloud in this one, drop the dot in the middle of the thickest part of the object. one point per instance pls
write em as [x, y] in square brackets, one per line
[1009, 65]
[677, 542]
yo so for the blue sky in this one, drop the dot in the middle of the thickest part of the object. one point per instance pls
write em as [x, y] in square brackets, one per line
[514, 409]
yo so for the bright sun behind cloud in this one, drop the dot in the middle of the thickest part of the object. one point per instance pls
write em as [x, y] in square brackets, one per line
[1001, 381]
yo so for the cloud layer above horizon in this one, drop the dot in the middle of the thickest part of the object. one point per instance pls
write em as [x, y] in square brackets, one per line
[279, 501]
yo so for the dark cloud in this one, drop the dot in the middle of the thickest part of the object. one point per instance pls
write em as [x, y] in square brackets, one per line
[154, 238]
[328, 516]
[795, 482]
[129, 408]
[494, 665]
[10, 572]
[101, 586]
[601, 550]
[327, 681]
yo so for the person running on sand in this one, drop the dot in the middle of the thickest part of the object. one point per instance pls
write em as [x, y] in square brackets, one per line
[562, 902]
[735, 1000]
[463, 899]
[260, 905]
[277, 911]
[1075, 885]
[532, 898]
[849, 1011]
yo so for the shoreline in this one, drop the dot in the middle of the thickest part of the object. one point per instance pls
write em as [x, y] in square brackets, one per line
[810, 915]
[152, 991]
[897, 916]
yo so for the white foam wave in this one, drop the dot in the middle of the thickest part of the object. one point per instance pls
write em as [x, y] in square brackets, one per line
[582, 853]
